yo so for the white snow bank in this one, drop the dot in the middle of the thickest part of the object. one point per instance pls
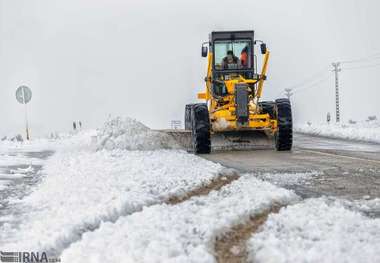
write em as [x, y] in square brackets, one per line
[363, 131]
[317, 230]
[80, 189]
[179, 233]
[129, 134]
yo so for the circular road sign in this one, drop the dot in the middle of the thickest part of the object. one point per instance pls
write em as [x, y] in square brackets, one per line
[23, 94]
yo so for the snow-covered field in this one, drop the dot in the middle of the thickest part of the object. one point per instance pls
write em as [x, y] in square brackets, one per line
[362, 131]
[317, 230]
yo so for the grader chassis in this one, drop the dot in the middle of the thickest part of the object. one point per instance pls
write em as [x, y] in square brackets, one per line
[232, 96]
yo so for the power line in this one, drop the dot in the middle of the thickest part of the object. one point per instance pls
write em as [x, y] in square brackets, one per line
[313, 85]
[362, 67]
[363, 59]
[316, 76]
[311, 78]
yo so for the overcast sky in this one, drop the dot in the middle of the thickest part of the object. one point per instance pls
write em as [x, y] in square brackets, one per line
[86, 59]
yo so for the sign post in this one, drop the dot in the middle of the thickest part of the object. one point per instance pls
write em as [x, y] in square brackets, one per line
[23, 96]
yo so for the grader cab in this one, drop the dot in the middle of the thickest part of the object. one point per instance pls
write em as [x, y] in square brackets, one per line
[232, 95]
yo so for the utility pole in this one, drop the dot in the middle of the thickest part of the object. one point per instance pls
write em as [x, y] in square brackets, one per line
[288, 93]
[337, 69]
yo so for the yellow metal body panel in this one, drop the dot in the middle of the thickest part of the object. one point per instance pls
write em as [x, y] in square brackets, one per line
[222, 110]
[263, 74]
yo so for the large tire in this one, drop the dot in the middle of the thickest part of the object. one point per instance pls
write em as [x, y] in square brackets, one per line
[284, 134]
[268, 107]
[200, 128]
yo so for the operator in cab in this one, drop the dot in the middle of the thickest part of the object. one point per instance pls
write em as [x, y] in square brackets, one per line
[230, 61]
[244, 57]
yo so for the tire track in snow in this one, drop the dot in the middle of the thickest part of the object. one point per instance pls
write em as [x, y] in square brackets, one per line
[215, 185]
[231, 247]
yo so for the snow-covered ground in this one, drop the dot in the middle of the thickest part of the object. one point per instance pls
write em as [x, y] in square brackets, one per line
[317, 230]
[83, 187]
[362, 131]
[181, 233]
[103, 195]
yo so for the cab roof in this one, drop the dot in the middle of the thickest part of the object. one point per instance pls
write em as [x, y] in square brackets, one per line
[231, 35]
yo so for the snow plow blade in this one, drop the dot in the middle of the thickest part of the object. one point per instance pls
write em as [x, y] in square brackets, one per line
[234, 140]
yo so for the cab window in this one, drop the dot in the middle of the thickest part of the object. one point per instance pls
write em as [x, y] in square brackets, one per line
[230, 55]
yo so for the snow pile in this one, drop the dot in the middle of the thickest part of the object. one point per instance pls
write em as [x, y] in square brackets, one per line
[317, 230]
[363, 131]
[81, 189]
[130, 134]
[181, 233]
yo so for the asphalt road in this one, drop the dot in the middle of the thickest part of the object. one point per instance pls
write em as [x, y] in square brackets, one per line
[345, 169]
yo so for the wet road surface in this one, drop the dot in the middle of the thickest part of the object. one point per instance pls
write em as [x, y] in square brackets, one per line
[345, 169]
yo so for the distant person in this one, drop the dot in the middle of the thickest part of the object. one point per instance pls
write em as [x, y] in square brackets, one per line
[74, 126]
[80, 125]
[230, 61]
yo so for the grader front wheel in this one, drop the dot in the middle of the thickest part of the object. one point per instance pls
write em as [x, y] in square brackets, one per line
[284, 134]
[200, 128]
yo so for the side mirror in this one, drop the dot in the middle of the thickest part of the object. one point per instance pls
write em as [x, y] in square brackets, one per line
[204, 51]
[263, 48]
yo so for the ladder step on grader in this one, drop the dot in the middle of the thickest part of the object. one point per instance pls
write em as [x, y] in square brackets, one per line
[232, 110]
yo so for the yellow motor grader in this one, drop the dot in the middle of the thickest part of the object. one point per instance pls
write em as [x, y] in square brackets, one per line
[233, 91]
